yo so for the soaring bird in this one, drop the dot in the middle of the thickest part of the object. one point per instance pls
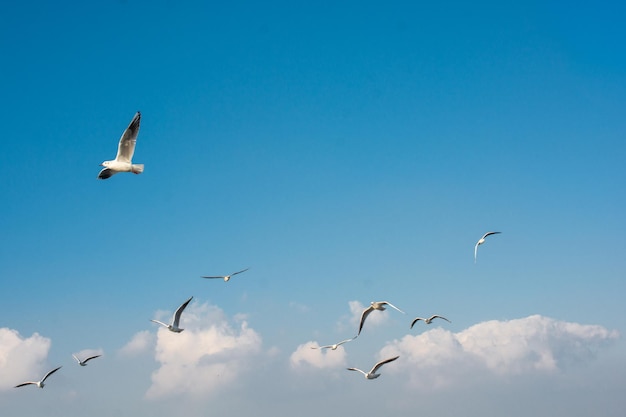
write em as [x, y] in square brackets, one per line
[481, 241]
[227, 277]
[175, 319]
[39, 384]
[375, 305]
[372, 373]
[335, 346]
[84, 361]
[428, 320]
[125, 151]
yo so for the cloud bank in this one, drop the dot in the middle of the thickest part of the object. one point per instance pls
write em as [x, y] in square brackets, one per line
[21, 359]
[210, 353]
[532, 344]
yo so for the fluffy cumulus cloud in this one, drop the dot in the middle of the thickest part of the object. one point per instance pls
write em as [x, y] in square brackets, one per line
[532, 344]
[140, 343]
[310, 355]
[21, 359]
[210, 352]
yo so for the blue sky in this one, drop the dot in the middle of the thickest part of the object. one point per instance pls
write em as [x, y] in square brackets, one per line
[346, 153]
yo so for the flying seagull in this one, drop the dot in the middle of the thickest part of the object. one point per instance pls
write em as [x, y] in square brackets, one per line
[84, 361]
[481, 241]
[372, 373]
[375, 305]
[39, 384]
[125, 150]
[227, 277]
[428, 320]
[176, 319]
[335, 346]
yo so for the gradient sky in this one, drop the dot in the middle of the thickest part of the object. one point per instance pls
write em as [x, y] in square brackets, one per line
[345, 152]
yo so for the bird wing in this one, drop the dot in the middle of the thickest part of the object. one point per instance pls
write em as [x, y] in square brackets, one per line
[126, 148]
[24, 384]
[160, 322]
[358, 370]
[440, 317]
[77, 360]
[476, 251]
[106, 173]
[392, 306]
[416, 320]
[91, 357]
[179, 311]
[239, 272]
[381, 363]
[222, 277]
[490, 233]
[345, 341]
[50, 373]
[364, 315]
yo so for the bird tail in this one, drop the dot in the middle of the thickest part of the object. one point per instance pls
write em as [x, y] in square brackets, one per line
[136, 168]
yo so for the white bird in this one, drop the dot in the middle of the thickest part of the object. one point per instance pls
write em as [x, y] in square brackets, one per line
[175, 319]
[375, 305]
[84, 361]
[428, 320]
[39, 384]
[481, 241]
[227, 277]
[372, 373]
[335, 346]
[125, 151]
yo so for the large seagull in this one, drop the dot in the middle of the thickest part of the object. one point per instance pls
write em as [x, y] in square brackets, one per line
[40, 384]
[375, 305]
[372, 373]
[226, 277]
[173, 326]
[125, 151]
[481, 241]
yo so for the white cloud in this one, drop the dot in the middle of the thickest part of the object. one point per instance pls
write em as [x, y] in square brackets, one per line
[21, 359]
[318, 358]
[140, 343]
[532, 344]
[209, 353]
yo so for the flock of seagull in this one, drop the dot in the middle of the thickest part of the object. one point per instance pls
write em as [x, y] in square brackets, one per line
[123, 163]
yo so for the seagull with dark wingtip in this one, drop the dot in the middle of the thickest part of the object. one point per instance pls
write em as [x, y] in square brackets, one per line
[39, 384]
[481, 241]
[125, 151]
[173, 326]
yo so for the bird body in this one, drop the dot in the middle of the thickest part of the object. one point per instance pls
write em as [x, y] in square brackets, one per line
[428, 320]
[125, 151]
[226, 277]
[375, 305]
[372, 373]
[481, 241]
[174, 325]
[40, 383]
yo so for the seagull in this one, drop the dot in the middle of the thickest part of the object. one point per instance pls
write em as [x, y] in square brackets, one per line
[335, 346]
[375, 305]
[428, 320]
[176, 319]
[125, 150]
[227, 277]
[84, 361]
[481, 241]
[39, 384]
[372, 373]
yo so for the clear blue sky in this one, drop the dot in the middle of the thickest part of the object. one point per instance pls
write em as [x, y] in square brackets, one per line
[346, 152]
